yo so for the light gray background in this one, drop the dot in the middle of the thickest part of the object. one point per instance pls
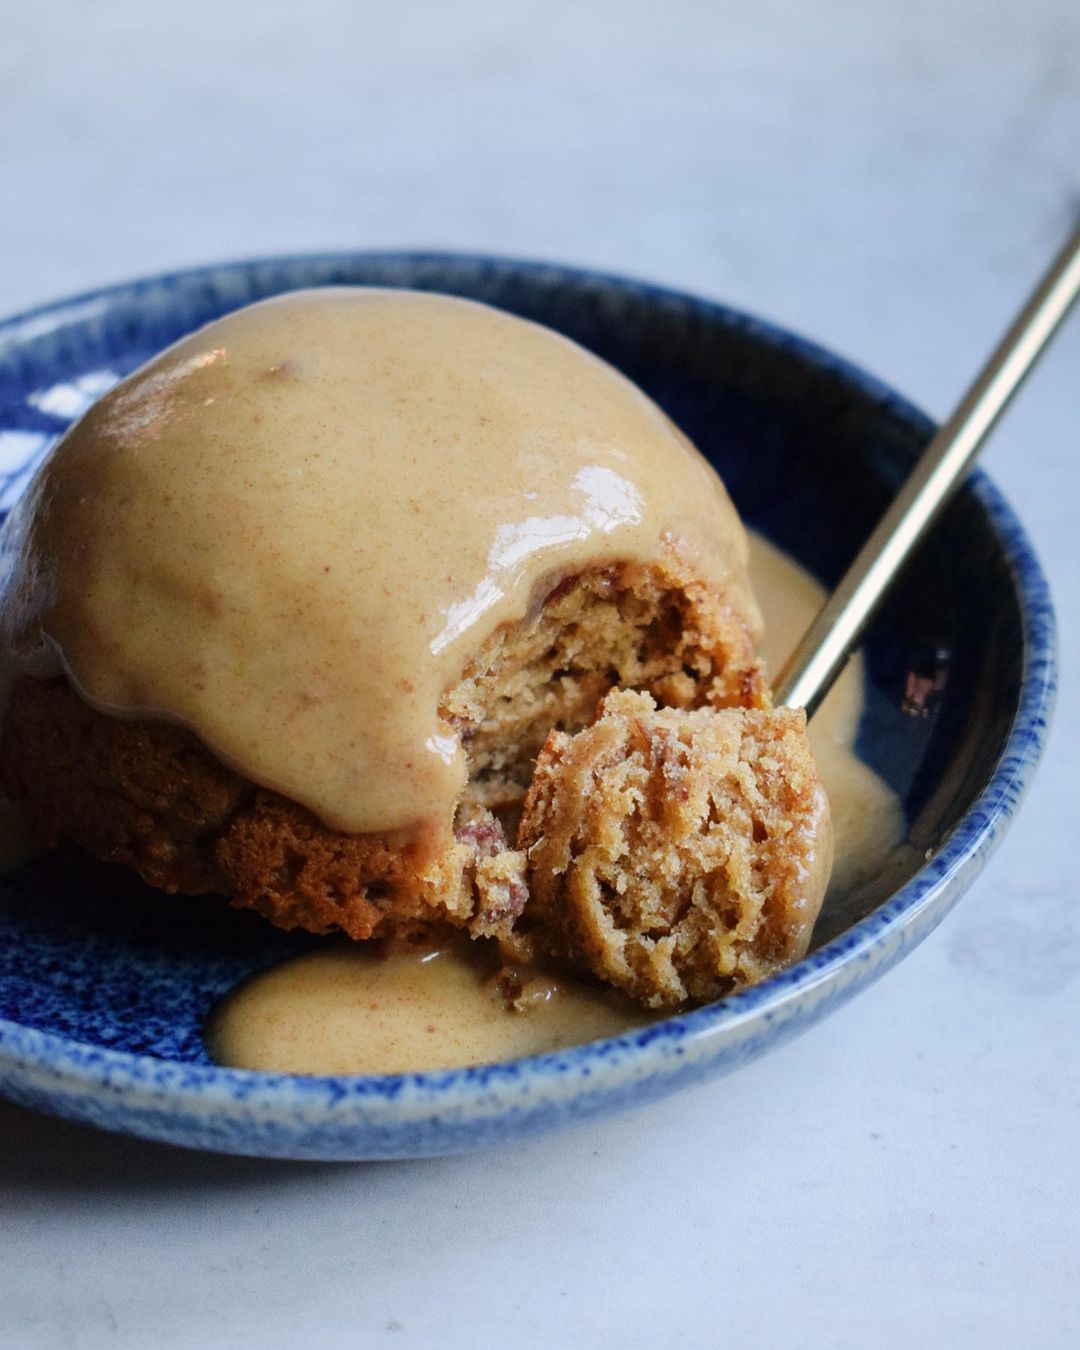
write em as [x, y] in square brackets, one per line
[887, 178]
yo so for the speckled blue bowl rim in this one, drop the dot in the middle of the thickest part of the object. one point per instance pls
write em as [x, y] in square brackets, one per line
[872, 945]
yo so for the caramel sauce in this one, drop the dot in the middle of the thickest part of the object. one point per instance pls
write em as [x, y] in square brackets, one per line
[291, 530]
[358, 1009]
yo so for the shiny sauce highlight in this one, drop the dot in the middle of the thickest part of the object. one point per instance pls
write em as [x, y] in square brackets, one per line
[290, 532]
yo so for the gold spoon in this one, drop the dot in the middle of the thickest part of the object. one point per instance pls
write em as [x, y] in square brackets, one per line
[824, 649]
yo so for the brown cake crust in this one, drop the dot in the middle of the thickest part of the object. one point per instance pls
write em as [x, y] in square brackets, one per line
[677, 854]
[150, 796]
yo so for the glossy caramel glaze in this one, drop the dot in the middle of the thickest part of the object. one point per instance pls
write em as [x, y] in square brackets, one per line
[290, 531]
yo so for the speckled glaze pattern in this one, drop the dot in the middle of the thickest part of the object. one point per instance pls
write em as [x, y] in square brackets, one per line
[105, 986]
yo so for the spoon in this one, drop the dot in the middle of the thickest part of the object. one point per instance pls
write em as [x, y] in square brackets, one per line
[824, 649]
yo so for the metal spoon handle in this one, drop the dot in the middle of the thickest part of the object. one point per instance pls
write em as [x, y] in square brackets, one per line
[828, 642]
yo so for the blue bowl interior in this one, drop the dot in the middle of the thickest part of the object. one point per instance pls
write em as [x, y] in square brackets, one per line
[811, 451]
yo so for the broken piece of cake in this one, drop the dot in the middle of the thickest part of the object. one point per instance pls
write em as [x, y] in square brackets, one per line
[677, 855]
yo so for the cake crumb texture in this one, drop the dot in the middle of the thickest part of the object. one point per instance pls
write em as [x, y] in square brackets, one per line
[676, 854]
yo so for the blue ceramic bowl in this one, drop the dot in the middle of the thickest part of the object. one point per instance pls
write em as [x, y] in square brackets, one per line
[105, 987]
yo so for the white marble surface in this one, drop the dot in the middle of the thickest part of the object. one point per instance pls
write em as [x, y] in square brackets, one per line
[887, 178]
